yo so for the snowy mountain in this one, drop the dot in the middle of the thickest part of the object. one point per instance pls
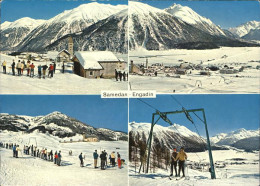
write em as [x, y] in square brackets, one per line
[252, 35]
[245, 28]
[100, 35]
[172, 136]
[155, 29]
[67, 22]
[12, 33]
[56, 124]
[189, 16]
[234, 136]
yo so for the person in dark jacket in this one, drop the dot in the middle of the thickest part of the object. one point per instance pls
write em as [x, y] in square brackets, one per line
[39, 71]
[59, 158]
[95, 156]
[120, 75]
[116, 75]
[13, 66]
[174, 162]
[44, 68]
[14, 150]
[81, 160]
[103, 160]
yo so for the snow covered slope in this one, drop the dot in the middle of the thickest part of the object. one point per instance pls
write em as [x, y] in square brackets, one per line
[172, 136]
[56, 124]
[12, 33]
[234, 136]
[189, 16]
[245, 28]
[29, 170]
[155, 29]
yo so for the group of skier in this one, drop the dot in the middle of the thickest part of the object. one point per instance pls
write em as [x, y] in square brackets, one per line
[30, 68]
[121, 76]
[103, 159]
[33, 151]
[179, 158]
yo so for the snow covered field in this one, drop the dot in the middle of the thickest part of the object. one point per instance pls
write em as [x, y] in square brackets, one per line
[246, 82]
[67, 83]
[27, 170]
[239, 175]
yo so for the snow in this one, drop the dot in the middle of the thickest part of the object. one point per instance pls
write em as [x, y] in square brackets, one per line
[246, 82]
[89, 13]
[235, 135]
[143, 9]
[146, 127]
[245, 28]
[67, 83]
[27, 170]
[23, 22]
[91, 59]
[239, 175]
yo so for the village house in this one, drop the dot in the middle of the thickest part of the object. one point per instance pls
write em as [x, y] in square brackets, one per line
[97, 64]
[90, 138]
[63, 56]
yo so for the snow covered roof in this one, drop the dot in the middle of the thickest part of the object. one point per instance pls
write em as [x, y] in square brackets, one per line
[90, 60]
[52, 54]
[64, 50]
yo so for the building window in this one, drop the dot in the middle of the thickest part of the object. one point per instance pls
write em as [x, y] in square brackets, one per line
[91, 73]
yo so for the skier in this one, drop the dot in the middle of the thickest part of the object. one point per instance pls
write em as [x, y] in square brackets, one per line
[28, 67]
[59, 158]
[44, 67]
[4, 67]
[182, 156]
[22, 67]
[116, 75]
[19, 66]
[81, 160]
[39, 71]
[120, 75]
[14, 150]
[54, 67]
[51, 156]
[174, 162]
[119, 160]
[103, 160]
[55, 157]
[155, 73]
[32, 70]
[13, 66]
[124, 76]
[51, 70]
[105, 157]
[113, 159]
[95, 156]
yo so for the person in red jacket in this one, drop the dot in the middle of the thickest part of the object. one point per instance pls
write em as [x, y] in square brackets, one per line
[119, 160]
[51, 68]
[32, 70]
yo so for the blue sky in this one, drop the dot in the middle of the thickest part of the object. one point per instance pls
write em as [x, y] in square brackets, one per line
[224, 13]
[12, 10]
[224, 113]
[91, 109]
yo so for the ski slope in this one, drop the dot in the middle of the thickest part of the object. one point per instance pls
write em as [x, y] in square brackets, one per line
[27, 170]
[246, 82]
[239, 175]
[67, 83]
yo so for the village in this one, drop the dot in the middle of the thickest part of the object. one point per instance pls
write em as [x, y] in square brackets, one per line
[88, 64]
[194, 71]
[71, 72]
